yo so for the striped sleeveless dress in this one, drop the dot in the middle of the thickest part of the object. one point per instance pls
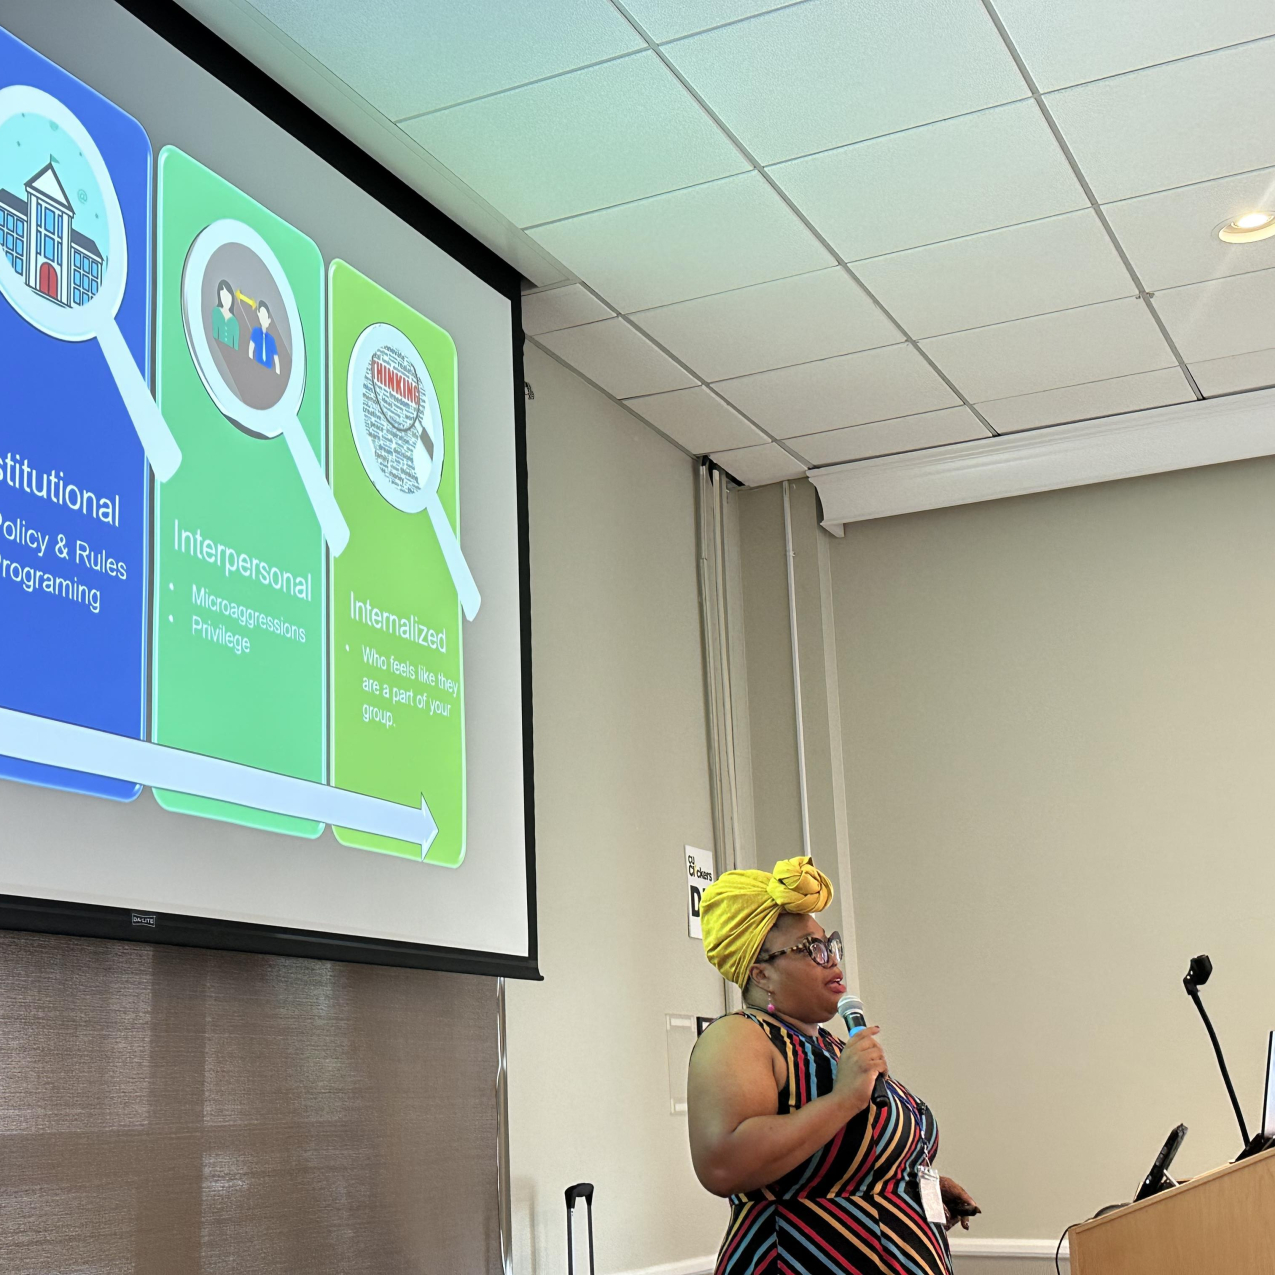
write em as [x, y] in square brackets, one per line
[853, 1208]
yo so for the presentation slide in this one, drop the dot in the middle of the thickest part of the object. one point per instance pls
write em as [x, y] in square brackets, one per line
[261, 612]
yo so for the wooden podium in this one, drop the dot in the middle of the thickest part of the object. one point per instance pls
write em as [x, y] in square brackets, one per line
[1221, 1223]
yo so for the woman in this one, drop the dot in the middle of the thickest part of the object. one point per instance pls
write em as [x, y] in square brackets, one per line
[781, 1118]
[225, 325]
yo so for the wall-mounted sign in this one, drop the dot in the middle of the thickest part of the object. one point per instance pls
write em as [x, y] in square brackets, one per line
[699, 876]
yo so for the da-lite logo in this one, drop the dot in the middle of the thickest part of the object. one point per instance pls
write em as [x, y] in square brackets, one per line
[144, 919]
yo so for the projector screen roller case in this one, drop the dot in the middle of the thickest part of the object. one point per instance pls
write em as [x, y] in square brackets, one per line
[263, 619]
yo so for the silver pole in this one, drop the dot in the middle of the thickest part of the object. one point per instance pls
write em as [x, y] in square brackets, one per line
[790, 555]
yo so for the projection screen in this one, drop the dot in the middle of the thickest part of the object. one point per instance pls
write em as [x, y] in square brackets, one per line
[264, 624]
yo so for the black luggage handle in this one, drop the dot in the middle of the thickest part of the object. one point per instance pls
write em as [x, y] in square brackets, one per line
[581, 1191]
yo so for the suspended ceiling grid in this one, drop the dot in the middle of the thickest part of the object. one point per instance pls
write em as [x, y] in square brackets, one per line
[800, 234]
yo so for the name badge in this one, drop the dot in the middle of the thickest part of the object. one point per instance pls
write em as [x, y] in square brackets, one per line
[932, 1197]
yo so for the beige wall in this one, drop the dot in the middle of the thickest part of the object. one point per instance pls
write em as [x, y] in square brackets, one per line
[621, 786]
[1059, 719]
[766, 669]
[772, 737]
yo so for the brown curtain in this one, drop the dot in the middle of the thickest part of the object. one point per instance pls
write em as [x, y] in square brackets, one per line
[166, 1111]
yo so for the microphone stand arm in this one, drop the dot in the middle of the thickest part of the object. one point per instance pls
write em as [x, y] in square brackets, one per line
[1193, 992]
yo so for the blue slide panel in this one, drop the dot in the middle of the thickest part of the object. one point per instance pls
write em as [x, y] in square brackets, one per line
[74, 482]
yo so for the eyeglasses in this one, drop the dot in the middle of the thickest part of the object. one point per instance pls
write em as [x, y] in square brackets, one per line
[823, 952]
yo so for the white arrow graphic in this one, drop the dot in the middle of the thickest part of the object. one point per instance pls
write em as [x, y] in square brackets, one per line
[50, 743]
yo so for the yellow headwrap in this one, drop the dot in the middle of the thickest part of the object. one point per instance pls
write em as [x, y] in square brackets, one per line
[739, 908]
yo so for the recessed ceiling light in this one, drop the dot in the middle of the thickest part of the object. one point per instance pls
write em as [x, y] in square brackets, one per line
[1247, 228]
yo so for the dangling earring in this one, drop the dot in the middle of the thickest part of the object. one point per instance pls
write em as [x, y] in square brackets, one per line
[770, 1007]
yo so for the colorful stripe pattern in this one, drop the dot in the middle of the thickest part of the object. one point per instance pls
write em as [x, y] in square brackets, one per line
[854, 1207]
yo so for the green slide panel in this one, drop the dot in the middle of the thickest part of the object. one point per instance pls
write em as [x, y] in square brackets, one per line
[398, 699]
[239, 658]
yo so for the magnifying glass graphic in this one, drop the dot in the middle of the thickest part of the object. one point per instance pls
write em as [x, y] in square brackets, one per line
[398, 431]
[244, 333]
[43, 293]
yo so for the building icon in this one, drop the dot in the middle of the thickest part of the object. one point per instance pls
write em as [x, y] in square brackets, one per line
[42, 244]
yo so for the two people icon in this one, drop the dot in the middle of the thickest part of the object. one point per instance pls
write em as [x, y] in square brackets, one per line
[263, 349]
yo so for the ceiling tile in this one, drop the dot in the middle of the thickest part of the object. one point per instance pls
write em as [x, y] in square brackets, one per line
[1094, 343]
[726, 234]
[850, 390]
[810, 316]
[959, 177]
[1251, 371]
[616, 357]
[698, 419]
[1170, 236]
[883, 438]
[1211, 320]
[403, 58]
[821, 74]
[1060, 45]
[757, 466]
[1184, 122]
[1033, 268]
[605, 135]
[565, 307]
[667, 19]
[1083, 402]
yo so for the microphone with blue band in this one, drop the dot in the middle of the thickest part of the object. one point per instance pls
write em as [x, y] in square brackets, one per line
[850, 1007]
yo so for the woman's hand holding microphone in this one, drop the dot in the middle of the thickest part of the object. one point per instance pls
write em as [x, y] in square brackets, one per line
[861, 1061]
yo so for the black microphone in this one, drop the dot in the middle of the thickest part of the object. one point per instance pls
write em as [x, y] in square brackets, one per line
[1197, 975]
[850, 1007]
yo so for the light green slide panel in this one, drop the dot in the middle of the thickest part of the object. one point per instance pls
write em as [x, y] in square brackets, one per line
[398, 699]
[240, 629]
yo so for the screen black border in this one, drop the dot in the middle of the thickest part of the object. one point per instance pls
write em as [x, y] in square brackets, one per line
[191, 38]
